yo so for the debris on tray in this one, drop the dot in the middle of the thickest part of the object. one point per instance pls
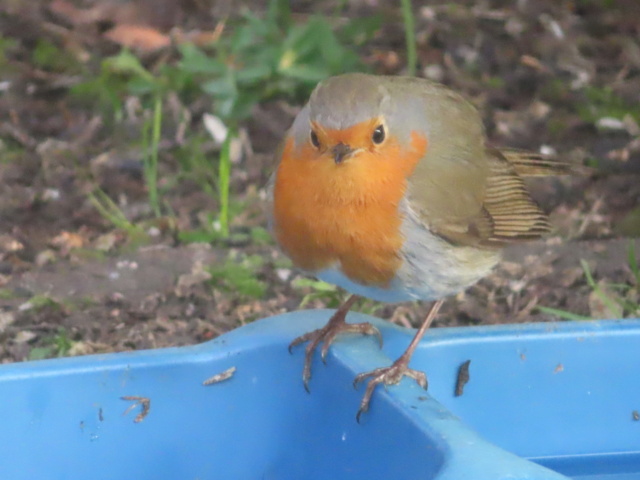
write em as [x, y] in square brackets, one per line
[144, 402]
[220, 377]
[463, 377]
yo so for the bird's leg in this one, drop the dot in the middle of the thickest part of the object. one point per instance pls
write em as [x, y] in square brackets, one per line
[400, 368]
[327, 335]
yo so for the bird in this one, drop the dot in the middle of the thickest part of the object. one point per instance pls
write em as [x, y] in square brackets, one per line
[387, 187]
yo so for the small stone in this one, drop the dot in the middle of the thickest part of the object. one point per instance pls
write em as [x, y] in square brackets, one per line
[6, 319]
[106, 242]
[434, 72]
[216, 128]
[45, 257]
[25, 336]
[283, 273]
[51, 194]
[610, 123]
[189, 280]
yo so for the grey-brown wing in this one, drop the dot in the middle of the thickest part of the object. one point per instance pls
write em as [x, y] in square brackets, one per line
[502, 212]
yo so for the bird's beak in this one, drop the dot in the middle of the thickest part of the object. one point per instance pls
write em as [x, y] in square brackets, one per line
[341, 152]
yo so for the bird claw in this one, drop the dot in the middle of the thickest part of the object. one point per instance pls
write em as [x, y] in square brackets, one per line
[387, 376]
[301, 339]
[327, 335]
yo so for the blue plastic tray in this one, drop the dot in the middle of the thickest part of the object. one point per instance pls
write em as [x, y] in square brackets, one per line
[563, 395]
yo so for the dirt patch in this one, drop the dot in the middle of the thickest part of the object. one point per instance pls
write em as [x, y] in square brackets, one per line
[563, 76]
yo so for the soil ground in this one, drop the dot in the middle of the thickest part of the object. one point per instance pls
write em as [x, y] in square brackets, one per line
[558, 75]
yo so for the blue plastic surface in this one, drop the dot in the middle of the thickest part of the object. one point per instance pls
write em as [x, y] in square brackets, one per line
[560, 394]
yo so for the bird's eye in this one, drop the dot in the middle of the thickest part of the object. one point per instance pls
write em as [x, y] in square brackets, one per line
[314, 139]
[378, 135]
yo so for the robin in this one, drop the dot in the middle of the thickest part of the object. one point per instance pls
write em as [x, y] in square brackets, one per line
[386, 187]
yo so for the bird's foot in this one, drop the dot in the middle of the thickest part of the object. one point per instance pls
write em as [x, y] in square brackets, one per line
[387, 376]
[326, 335]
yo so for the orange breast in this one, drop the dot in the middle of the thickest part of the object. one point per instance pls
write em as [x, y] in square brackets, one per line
[344, 215]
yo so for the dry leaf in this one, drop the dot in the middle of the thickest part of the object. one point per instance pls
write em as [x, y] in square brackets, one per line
[10, 244]
[67, 241]
[534, 63]
[569, 276]
[138, 37]
[87, 348]
[198, 37]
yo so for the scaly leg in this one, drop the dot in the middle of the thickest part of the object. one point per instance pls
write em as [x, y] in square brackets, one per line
[327, 335]
[400, 368]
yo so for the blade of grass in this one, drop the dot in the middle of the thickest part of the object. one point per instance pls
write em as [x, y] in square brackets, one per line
[279, 12]
[633, 262]
[562, 313]
[611, 304]
[224, 174]
[410, 37]
[151, 155]
[109, 210]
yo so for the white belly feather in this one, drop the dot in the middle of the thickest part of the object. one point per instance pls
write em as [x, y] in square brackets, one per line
[431, 267]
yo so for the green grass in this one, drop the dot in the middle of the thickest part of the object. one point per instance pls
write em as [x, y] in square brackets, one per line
[151, 145]
[629, 224]
[271, 57]
[7, 294]
[58, 345]
[90, 254]
[603, 102]
[238, 274]
[40, 302]
[563, 314]
[410, 37]
[634, 265]
[332, 296]
[113, 214]
[7, 45]
[224, 176]
[328, 293]
[48, 56]
[196, 166]
[118, 76]
[261, 58]
[110, 211]
[260, 236]
[615, 297]
[257, 59]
